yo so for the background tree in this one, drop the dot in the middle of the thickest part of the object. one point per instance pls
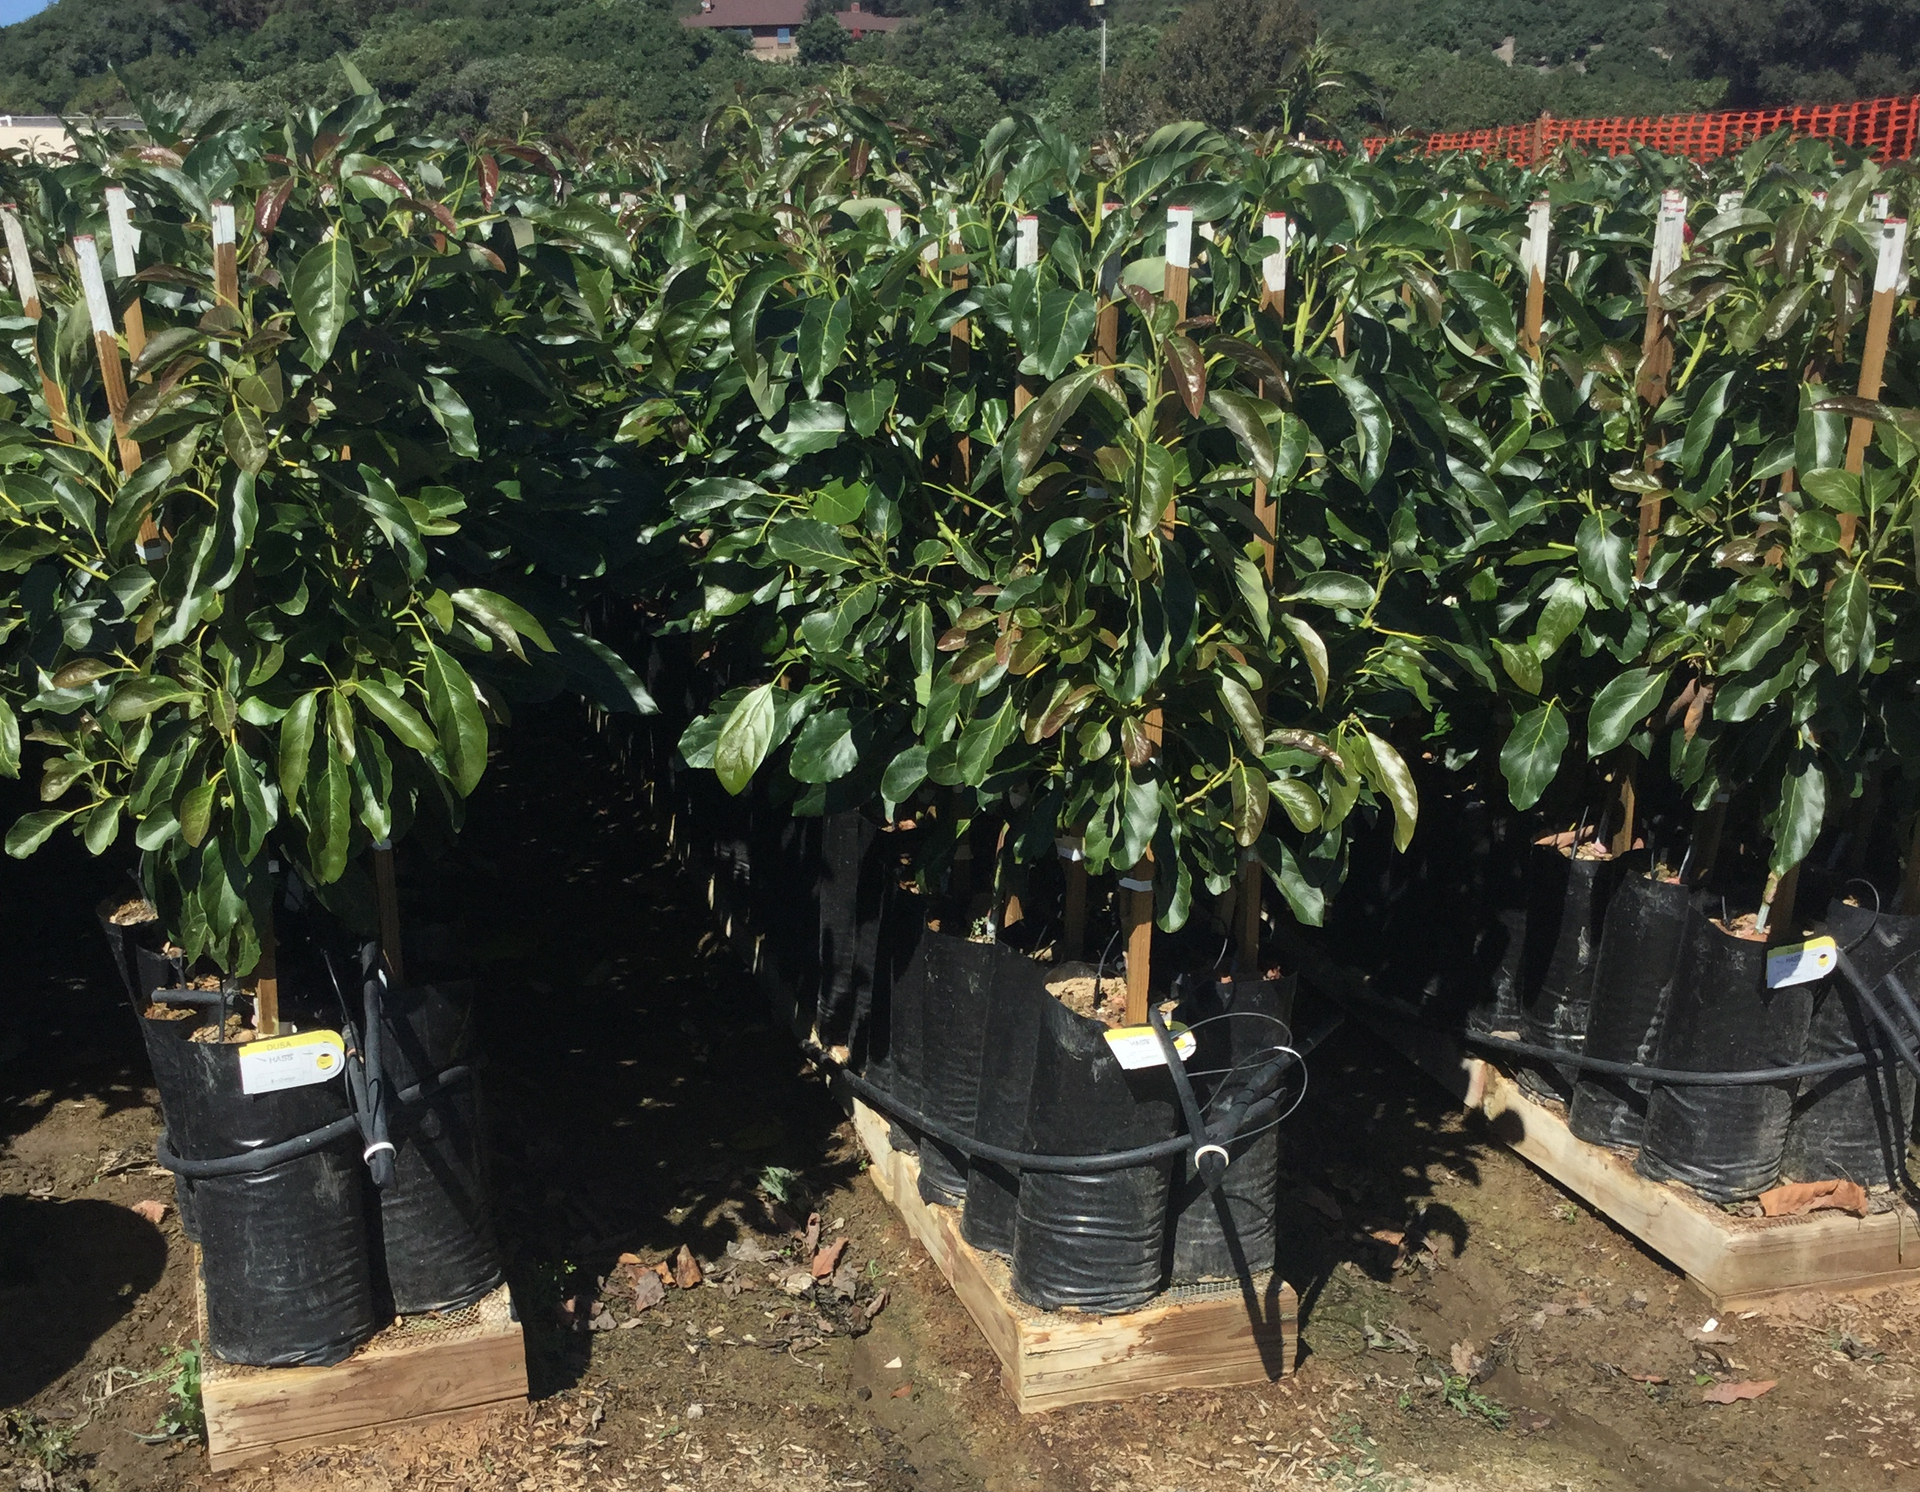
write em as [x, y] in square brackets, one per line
[822, 40]
[1813, 51]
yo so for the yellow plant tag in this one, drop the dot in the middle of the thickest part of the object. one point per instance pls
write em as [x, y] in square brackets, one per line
[291, 1061]
[1802, 963]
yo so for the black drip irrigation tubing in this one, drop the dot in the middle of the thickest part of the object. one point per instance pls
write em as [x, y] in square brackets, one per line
[269, 1156]
[1669, 1076]
[1068, 1165]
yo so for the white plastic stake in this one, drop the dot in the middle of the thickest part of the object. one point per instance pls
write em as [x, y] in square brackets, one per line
[680, 203]
[222, 223]
[126, 238]
[1893, 255]
[1533, 253]
[1179, 238]
[1882, 205]
[1273, 268]
[896, 220]
[1728, 202]
[24, 284]
[1026, 252]
[99, 308]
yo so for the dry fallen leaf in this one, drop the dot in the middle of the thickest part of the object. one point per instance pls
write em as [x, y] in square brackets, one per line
[1648, 1377]
[1729, 1393]
[812, 1239]
[686, 1272]
[798, 1282]
[1464, 1362]
[828, 1259]
[905, 1390]
[1810, 1196]
[648, 1292]
[876, 1306]
[151, 1210]
[1321, 1203]
[627, 1259]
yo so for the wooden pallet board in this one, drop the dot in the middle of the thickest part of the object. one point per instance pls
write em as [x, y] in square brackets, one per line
[1738, 1263]
[419, 1370]
[1049, 1360]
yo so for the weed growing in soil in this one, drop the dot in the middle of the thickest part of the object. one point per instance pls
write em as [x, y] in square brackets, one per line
[1469, 1403]
[780, 1183]
[182, 1416]
[47, 1445]
[1358, 1469]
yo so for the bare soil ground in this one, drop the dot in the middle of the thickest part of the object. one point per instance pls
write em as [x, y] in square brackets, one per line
[639, 1092]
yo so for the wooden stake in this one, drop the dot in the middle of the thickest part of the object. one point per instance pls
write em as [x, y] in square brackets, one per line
[107, 345]
[266, 983]
[1138, 890]
[1708, 824]
[1106, 328]
[1539, 225]
[1073, 937]
[125, 266]
[28, 289]
[1622, 840]
[1656, 353]
[226, 266]
[1873, 360]
[1026, 255]
[388, 897]
[960, 347]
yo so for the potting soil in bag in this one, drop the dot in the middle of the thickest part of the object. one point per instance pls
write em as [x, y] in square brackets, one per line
[1566, 902]
[1096, 1243]
[283, 1251]
[1229, 1233]
[436, 1217]
[1853, 1125]
[1724, 1141]
[955, 980]
[1646, 924]
[1016, 1006]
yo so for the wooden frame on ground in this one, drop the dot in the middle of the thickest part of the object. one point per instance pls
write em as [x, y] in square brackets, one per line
[419, 1370]
[1049, 1360]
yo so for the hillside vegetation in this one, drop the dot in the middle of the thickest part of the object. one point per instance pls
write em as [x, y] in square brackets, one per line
[600, 67]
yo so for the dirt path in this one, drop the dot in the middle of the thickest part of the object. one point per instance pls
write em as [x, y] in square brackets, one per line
[639, 1095]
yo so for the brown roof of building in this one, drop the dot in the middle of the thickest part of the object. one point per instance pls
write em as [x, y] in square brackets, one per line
[732, 14]
[742, 15]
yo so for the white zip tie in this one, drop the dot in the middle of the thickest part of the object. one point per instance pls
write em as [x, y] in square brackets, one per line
[368, 1154]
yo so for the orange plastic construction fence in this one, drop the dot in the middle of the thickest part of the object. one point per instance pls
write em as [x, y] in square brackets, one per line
[1885, 126]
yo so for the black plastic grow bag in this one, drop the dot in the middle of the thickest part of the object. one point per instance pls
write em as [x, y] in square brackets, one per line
[284, 1251]
[1016, 1007]
[1229, 1233]
[1725, 1142]
[947, 985]
[854, 892]
[1095, 1243]
[435, 1220]
[1646, 925]
[1853, 1125]
[1566, 903]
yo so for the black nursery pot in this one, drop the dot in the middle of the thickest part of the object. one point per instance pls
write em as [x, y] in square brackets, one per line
[1853, 1125]
[949, 985]
[283, 1251]
[136, 949]
[1229, 1234]
[1566, 903]
[1094, 1243]
[1725, 1142]
[435, 1218]
[1016, 1007]
[1640, 947]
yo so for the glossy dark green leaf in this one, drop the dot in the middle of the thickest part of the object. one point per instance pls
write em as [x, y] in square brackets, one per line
[1849, 617]
[823, 340]
[1623, 703]
[809, 544]
[386, 706]
[1030, 436]
[457, 720]
[1606, 558]
[1394, 780]
[1531, 756]
[745, 739]
[296, 745]
[1798, 813]
[323, 293]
